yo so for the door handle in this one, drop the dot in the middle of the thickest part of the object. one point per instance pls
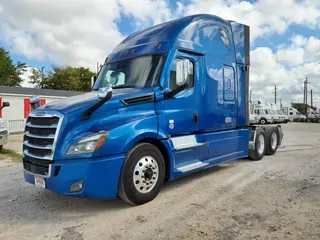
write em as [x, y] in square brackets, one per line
[195, 118]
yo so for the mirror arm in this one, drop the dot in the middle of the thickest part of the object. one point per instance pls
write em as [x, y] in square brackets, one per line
[171, 94]
[87, 113]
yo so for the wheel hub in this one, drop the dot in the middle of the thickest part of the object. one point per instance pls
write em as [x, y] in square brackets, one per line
[145, 174]
[260, 144]
[274, 140]
[148, 174]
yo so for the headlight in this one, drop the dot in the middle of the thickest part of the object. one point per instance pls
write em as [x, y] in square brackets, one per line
[88, 144]
[3, 126]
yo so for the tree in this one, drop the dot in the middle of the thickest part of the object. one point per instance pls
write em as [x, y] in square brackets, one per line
[301, 107]
[10, 72]
[35, 78]
[64, 78]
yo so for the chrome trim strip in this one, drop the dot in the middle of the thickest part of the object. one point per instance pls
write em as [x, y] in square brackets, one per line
[41, 126]
[183, 142]
[46, 114]
[46, 157]
[51, 136]
[57, 133]
[192, 166]
[47, 147]
[44, 176]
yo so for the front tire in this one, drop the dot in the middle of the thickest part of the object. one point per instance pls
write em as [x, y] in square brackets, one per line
[1, 147]
[142, 175]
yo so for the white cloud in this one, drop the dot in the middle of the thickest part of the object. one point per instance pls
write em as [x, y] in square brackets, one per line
[143, 11]
[82, 32]
[291, 57]
[268, 70]
[71, 32]
[264, 16]
[25, 77]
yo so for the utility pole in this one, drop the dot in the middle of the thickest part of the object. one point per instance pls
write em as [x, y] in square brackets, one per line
[305, 100]
[280, 103]
[42, 73]
[97, 68]
[275, 94]
[311, 98]
[250, 94]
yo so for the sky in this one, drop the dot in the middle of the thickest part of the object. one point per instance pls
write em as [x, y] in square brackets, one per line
[285, 35]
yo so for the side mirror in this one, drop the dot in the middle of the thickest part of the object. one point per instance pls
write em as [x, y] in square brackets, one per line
[93, 80]
[34, 102]
[182, 71]
[104, 93]
[5, 104]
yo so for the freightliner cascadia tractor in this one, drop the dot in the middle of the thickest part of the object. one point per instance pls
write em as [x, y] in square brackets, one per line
[168, 101]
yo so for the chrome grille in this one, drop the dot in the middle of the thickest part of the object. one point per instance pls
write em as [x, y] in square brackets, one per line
[39, 141]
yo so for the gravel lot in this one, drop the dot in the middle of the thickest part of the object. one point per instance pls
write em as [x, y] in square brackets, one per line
[276, 198]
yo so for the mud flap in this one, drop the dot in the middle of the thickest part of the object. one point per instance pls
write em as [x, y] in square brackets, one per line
[280, 134]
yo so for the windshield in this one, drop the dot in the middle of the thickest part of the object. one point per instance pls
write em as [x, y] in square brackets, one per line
[138, 72]
[274, 112]
[280, 112]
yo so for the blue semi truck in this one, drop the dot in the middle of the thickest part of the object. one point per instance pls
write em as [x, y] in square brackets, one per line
[168, 101]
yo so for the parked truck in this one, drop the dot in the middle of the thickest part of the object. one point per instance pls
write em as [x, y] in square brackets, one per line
[168, 101]
[3, 128]
[261, 113]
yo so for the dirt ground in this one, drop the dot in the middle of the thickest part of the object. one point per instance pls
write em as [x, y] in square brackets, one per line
[275, 198]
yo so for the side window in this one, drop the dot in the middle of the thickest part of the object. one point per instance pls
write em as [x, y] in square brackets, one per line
[225, 38]
[228, 84]
[190, 79]
[256, 111]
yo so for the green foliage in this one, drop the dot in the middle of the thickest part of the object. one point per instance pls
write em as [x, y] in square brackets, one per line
[301, 107]
[64, 78]
[35, 77]
[8, 154]
[10, 72]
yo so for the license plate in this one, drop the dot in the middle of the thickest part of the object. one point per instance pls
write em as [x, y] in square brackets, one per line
[40, 182]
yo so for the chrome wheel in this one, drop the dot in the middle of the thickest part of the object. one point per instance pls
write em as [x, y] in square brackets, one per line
[274, 140]
[261, 144]
[145, 174]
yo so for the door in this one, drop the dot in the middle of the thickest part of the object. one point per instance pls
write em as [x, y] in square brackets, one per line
[182, 111]
[183, 115]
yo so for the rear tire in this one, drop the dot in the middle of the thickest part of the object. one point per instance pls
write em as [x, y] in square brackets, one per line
[272, 140]
[260, 146]
[142, 174]
[1, 147]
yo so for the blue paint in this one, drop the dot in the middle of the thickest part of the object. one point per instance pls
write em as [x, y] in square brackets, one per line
[199, 127]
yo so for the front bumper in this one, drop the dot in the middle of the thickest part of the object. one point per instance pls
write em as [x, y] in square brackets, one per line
[3, 137]
[100, 176]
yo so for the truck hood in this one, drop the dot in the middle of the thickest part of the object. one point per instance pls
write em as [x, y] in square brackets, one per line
[86, 100]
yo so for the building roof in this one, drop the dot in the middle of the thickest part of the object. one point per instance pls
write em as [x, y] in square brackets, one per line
[37, 91]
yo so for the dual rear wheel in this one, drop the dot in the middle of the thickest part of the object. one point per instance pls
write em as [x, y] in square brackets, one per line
[266, 143]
